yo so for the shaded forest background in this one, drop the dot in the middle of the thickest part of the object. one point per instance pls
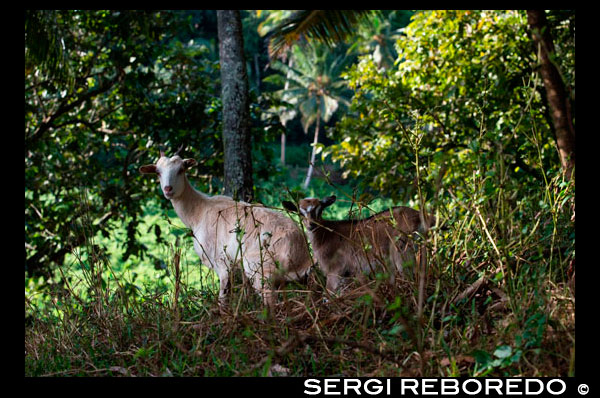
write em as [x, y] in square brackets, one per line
[453, 111]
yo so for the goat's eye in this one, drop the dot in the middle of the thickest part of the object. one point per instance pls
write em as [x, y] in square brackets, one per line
[180, 171]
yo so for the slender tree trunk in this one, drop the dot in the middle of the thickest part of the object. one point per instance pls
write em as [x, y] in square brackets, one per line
[283, 148]
[236, 112]
[314, 151]
[556, 93]
[285, 87]
[257, 72]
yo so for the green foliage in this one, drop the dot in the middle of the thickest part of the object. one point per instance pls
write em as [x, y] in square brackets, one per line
[503, 357]
[464, 81]
[130, 94]
[44, 45]
[140, 82]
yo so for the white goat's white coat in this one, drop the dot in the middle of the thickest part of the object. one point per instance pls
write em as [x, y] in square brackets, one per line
[268, 244]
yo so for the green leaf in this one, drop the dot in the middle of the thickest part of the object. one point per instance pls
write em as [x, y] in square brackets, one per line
[503, 351]
[482, 358]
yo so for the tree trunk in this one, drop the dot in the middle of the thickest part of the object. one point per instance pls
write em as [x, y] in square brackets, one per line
[236, 112]
[285, 88]
[314, 151]
[257, 73]
[283, 148]
[556, 93]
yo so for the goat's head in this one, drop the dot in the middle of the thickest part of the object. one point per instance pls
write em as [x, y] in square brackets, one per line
[171, 173]
[311, 209]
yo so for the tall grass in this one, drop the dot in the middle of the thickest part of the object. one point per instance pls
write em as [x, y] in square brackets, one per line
[495, 296]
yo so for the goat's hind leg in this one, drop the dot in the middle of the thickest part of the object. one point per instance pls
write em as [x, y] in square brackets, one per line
[269, 288]
[260, 278]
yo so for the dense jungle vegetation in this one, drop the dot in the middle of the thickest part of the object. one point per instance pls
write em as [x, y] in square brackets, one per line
[469, 115]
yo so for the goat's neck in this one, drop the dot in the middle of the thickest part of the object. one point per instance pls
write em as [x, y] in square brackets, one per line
[188, 205]
[318, 226]
[312, 226]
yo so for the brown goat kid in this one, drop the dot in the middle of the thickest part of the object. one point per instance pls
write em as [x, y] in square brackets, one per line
[347, 247]
[268, 245]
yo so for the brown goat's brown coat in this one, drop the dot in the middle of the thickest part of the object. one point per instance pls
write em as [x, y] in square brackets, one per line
[380, 242]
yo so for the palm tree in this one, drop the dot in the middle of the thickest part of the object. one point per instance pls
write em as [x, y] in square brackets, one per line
[377, 33]
[315, 90]
[380, 35]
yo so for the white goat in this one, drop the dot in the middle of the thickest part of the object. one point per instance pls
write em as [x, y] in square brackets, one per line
[346, 247]
[268, 244]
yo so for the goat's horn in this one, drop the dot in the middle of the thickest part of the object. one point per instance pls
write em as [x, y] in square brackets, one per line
[179, 150]
[162, 152]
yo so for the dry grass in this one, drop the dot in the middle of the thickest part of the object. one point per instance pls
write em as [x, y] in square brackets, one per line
[368, 330]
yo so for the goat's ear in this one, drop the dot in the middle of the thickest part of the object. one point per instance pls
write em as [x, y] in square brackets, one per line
[189, 163]
[328, 201]
[148, 169]
[290, 206]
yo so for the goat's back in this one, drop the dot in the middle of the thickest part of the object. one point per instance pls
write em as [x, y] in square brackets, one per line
[349, 245]
[398, 220]
[267, 236]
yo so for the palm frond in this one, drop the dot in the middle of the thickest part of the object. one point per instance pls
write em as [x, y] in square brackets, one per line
[327, 26]
[328, 107]
[293, 74]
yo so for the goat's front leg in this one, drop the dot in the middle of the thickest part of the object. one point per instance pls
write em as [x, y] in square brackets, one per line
[224, 285]
[333, 281]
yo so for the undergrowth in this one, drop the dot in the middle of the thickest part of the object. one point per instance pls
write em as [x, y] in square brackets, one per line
[496, 299]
